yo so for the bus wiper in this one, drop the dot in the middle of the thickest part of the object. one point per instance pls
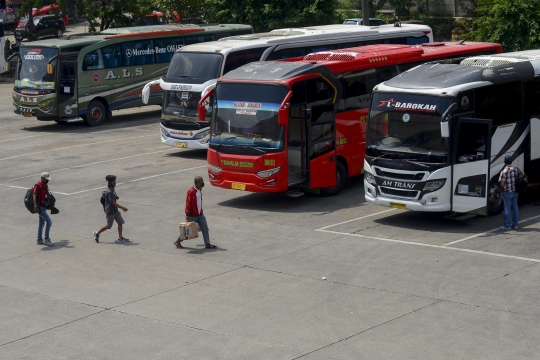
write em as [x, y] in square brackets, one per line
[224, 141]
[185, 76]
[378, 157]
[252, 147]
[416, 163]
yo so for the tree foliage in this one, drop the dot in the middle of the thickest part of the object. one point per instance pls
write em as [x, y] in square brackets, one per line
[103, 14]
[187, 10]
[265, 15]
[402, 7]
[512, 23]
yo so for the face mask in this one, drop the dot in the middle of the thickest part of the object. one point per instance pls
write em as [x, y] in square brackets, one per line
[46, 181]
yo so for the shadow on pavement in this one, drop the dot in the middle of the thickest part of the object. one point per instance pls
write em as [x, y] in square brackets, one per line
[61, 244]
[194, 154]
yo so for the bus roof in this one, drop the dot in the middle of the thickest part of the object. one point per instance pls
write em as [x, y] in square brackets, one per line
[471, 73]
[345, 60]
[172, 27]
[339, 32]
[63, 43]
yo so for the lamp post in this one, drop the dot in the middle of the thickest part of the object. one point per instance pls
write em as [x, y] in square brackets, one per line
[365, 12]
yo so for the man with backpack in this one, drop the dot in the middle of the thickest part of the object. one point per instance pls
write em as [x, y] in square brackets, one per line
[194, 212]
[508, 180]
[41, 189]
[110, 206]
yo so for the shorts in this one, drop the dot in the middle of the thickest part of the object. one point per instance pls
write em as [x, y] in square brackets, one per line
[111, 218]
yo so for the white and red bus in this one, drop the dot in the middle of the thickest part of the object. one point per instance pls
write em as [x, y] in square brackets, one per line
[279, 126]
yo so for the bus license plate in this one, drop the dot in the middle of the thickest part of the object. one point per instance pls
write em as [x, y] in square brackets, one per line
[237, 186]
[181, 144]
[27, 114]
[398, 206]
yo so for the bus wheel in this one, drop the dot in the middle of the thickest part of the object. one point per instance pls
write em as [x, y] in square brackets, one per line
[95, 113]
[495, 200]
[341, 181]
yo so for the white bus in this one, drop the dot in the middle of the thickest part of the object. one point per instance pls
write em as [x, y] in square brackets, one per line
[4, 65]
[194, 69]
[437, 134]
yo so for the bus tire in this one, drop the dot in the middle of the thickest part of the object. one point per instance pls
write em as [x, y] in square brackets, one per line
[95, 113]
[495, 200]
[341, 181]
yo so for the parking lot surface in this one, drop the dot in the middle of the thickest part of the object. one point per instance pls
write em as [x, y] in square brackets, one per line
[309, 277]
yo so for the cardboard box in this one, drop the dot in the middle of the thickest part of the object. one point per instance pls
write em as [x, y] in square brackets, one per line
[189, 230]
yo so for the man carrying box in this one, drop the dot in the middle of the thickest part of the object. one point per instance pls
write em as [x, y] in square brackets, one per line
[194, 212]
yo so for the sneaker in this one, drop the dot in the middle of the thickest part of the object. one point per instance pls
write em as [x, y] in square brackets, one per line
[40, 242]
[96, 236]
[514, 227]
[124, 239]
[119, 241]
[48, 242]
[504, 228]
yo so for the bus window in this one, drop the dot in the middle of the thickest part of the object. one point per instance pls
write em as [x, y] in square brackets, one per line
[93, 61]
[242, 57]
[314, 49]
[350, 45]
[357, 86]
[318, 92]
[111, 56]
[287, 53]
[138, 52]
[531, 90]
[198, 39]
[500, 103]
[417, 40]
[166, 49]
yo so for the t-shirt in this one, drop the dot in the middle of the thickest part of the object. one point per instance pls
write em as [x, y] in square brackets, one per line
[199, 200]
[110, 195]
[42, 189]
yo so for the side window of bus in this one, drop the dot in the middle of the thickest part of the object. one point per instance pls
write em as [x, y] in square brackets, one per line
[357, 86]
[165, 48]
[93, 61]
[287, 54]
[221, 35]
[319, 92]
[140, 52]
[236, 59]
[314, 49]
[488, 102]
[195, 39]
[111, 56]
[531, 90]
[411, 40]
[350, 45]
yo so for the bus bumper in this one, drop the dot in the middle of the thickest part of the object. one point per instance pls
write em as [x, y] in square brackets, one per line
[247, 182]
[189, 143]
[437, 201]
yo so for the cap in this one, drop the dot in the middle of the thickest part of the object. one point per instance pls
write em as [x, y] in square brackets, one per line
[508, 159]
[110, 177]
[46, 175]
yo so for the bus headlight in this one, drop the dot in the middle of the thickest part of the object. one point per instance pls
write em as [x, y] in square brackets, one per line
[215, 169]
[369, 178]
[47, 102]
[164, 132]
[202, 134]
[434, 185]
[268, 173]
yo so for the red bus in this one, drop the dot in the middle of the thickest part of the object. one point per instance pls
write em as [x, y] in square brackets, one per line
[282, 126]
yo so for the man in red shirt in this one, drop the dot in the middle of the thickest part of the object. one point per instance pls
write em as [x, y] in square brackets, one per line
[194, 212]
[40, 207]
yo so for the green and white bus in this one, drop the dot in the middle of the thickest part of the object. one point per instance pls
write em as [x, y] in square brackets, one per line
[90, 75]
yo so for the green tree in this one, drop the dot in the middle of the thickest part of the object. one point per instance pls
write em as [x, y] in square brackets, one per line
[103, 14]
[512, 23]
[402, 7]
[185, 9]
[265, 15]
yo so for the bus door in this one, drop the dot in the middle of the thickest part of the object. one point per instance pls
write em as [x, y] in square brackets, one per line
[67, 89]
[471, 164]
[321, 146]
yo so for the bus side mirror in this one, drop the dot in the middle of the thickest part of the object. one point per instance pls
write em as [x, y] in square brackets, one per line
[145, 94]
[201, 108]
[445, 129]
[283, 112]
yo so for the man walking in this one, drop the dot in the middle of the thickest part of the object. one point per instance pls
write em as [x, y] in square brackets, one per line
[508, 179]
[41, 189]
[194, 212]
[110, 206]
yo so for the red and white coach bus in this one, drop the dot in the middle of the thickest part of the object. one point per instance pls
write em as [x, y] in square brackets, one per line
[286, 125]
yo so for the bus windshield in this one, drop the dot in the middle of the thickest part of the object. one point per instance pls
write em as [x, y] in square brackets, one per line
[247, 115]
[404, 126]
[195, 66]
[32, 70]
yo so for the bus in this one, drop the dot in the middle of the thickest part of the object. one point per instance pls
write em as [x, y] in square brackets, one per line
[286, 126]
[4, 65]
[437, 135]
[90, 75]
[194, 69]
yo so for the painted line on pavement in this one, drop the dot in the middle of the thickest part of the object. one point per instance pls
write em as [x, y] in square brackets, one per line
[360, 218]
[92, 163]
[488, 232]
[26, 137]
[26, 188]
[433, 246]
[75, 146]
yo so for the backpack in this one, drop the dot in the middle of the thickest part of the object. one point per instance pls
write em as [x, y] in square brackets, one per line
[29, 199]
[522, 181]
[102, 199]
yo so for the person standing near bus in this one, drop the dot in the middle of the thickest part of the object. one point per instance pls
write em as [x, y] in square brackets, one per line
[110, 206]
[508, 179]
[194, 212]
[41, 189]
